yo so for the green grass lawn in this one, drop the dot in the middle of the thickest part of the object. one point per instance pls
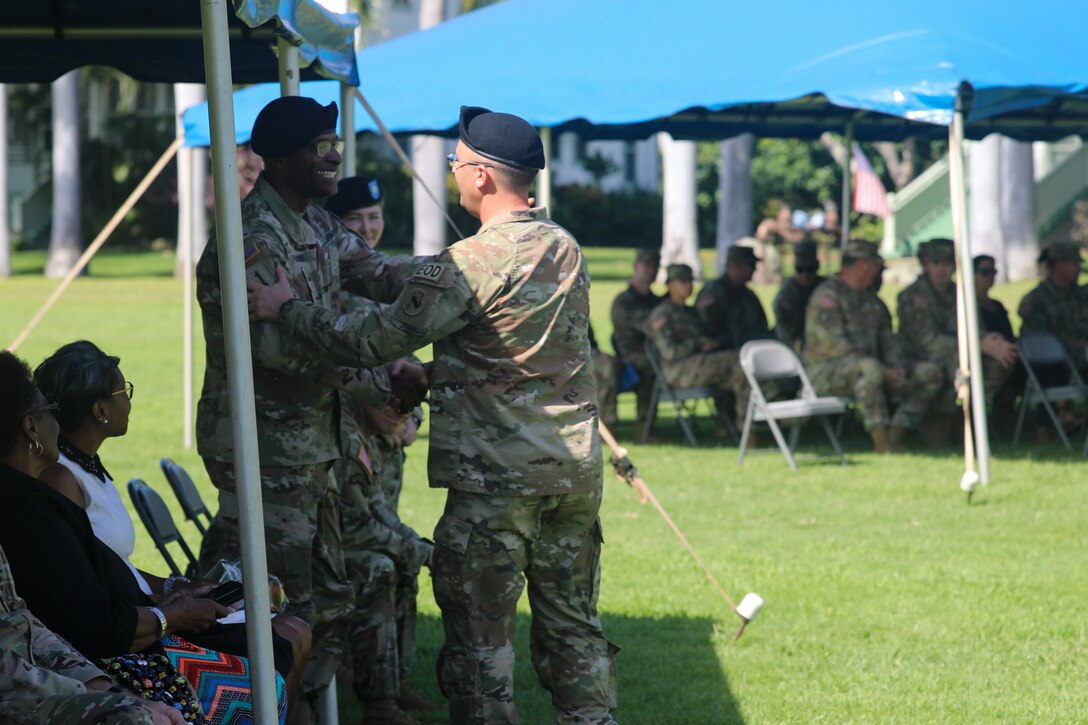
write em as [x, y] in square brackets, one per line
[889, 600]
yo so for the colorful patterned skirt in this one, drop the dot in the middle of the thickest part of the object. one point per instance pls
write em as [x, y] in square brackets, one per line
[221, 682]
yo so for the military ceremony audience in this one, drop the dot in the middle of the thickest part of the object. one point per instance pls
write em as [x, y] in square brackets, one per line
[731, 312]
[629, 312]
[84, 592]
[1059, 305]
[689, 355]
[792, 299]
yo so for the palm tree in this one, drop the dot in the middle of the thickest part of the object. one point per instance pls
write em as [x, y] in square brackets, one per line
[680, 243]
[735, 186]
[429, 159]
[66, 242]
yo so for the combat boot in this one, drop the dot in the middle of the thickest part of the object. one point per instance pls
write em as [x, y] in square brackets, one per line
[386, 712]
[896, 434]
[412, 702]
[880, 439]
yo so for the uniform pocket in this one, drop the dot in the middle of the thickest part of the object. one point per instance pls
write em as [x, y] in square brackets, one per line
[453, 534]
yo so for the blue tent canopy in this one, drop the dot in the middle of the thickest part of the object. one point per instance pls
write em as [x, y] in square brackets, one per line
[715, 68]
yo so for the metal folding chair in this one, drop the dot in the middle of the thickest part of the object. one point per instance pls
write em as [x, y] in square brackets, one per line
[1039, 348]
[684, 400]
[160, 524]
[184, 488]
[771, 360]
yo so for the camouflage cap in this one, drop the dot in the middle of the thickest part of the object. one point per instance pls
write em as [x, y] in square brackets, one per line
[1060, 252]
[861, 249]
[804, 255]
[678, 273]
[648, 256]
[737, 253]
[937, 250]
[288, 123]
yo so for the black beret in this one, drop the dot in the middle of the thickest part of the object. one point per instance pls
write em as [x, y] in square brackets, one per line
[358, 192]
[502, 137]
[287, 124]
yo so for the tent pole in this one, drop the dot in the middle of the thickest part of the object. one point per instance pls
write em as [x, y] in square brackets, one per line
[847, 183]
[347, 129]
[544, 180]
[187, 296]
[228, 227]
[288, 63]
[965, 265]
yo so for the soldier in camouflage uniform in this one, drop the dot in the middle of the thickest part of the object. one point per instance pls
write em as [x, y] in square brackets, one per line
[688, 356]
[731, 312]
[928, 325]
[1059, 305]
[850, 350]
[43, 679]
[605, 368]
[514, 431]
[792, 299]
[630, 310]
[296, 391]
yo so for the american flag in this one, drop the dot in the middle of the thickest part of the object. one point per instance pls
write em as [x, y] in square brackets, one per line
[868, 190]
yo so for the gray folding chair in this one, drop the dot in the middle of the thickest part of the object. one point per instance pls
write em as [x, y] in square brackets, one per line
[1039, 348]
[160, 524]
[771, 360]
[188, 496]
[684, 400]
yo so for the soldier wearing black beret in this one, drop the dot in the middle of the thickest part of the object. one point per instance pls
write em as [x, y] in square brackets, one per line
[513, 430]
[296, 392]
[358, 204]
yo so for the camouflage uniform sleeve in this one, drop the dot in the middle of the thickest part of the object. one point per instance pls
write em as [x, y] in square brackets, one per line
[713, 313]
[275, 351]
[628, 339]
[891, 349]
[672, 342]
[1033, 316]
[435, 303]
[55, 667]
[825, 328]
[370, 273]
[918, 328]
[787, 318]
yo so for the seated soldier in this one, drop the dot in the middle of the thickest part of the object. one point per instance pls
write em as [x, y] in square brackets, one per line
[605, 370]
[850, 350]
[1059, 305]
[793, 297]
[731, 312]
[927, 331]
[630, 310]
[689, 357]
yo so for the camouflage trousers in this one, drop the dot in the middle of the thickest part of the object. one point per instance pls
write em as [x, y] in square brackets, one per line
[863, 379]
[604, 370]
[303, 547]
[994, 375]
[486, 548]
[720, 369]
[92, 708]
[382, 629]
[646, 381]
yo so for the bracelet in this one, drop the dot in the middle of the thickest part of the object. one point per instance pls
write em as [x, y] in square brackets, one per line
[162, 617]
[168, 585]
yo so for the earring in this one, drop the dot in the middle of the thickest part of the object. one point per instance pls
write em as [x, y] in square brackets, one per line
[36, 448]
[103, 421]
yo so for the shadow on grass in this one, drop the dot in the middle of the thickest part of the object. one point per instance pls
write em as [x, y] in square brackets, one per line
[668, 673]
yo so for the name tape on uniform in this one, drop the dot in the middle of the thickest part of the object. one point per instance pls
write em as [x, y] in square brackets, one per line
[438, 274]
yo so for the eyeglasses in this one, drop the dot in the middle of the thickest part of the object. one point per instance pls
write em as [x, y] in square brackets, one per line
[807, 270]
[455, 162]
[986, 271]
[324, 148]
[125, 391]
[51, 408]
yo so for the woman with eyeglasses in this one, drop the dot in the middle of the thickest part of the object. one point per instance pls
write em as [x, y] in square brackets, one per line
[70, 553]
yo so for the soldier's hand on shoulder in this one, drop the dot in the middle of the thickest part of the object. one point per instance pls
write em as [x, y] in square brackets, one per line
[265, 301]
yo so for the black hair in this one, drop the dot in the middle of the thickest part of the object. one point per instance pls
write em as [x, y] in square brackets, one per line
[75, 377]
[514, 179]
[17, 395]
[980, 258]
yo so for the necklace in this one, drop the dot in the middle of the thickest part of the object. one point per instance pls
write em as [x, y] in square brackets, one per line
[90, 464]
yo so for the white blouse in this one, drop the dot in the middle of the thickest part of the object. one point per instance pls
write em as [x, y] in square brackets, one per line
[109, 517]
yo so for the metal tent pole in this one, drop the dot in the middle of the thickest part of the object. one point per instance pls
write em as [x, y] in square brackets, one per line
[228, 227]
[958, 188]
[847, 185]
[288, 63]
[544, 180]
[347, 129]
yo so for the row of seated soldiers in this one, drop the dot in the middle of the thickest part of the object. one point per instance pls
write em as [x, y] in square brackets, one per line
[843, 330]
